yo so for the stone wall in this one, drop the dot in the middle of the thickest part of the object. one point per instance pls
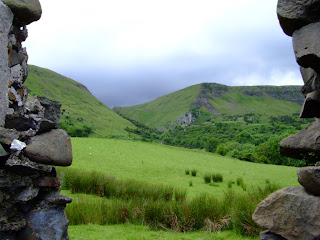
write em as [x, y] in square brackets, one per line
[30, 141]
[293, 213]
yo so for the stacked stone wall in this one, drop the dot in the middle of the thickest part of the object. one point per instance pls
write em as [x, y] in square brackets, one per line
[31, 143]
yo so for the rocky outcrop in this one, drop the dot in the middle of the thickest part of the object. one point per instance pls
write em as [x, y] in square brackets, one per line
[30, 142]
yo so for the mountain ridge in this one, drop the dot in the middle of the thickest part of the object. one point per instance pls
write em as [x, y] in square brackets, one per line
[215, 99]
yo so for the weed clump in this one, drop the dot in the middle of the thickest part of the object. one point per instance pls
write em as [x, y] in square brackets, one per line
[207, 178]
[194, 172]
[217, 177]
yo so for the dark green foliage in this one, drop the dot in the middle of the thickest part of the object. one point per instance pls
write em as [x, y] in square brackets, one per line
[207, 178]
[187, 172]
[217, 177]
[194, 172]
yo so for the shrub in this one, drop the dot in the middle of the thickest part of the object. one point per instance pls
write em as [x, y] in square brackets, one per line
[207, 178]
[194, 172]
[217, 177]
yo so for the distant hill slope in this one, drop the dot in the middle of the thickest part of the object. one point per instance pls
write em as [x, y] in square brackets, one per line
[79, 106]
[186, 105]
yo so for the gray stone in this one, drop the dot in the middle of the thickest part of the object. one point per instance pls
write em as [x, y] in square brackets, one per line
[309, 178]
[306, 46]
[25, 11]
[56, 198]
[311, 80]
[3, 152]
[25, 167]
[27, 194]
[294, 14]
[311, 105]
[20, 123]
[6, 18]
[52, 148]
[304, 144]
[267, 235]
[46, 224]
[291, 213]
[52, 109]
[8, 135]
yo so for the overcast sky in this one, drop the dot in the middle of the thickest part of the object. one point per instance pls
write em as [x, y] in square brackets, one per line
[128, 52]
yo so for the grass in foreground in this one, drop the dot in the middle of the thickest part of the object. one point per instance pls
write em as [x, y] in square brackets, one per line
[136, 232]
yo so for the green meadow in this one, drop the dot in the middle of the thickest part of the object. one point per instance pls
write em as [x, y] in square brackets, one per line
[159, 165]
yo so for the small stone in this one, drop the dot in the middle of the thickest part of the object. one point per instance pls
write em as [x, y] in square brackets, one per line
[8, 135]
[291, 213]
[27, 194]
[311, 80]
[304, 144]
[52, 148]
[17, 145]
[309, 178]
[311, 105]
[20, 123]
[51, 182]
[25, 11]
[267, 235]
[3, 152]
[294, 14]
[306, 46]
[57, 198]
[25, 167]
[46, 224]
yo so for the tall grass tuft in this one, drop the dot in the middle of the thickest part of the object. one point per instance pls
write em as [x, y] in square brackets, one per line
[207, 178]
[110, 187]
[217, 177]
[194, 172]
[187, 171]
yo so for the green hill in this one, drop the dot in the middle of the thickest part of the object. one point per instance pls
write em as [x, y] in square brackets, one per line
[80, 109]
[202, 101]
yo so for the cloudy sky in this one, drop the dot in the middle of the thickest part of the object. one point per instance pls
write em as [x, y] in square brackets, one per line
[128, 52]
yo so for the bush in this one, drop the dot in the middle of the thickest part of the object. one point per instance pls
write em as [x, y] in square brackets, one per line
[194, 172]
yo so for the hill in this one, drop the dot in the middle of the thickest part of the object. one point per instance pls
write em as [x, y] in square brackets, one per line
[202, 101]
[80, 109]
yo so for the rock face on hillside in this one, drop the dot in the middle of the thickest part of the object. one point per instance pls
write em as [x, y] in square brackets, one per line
[293, 213]
[31, 204]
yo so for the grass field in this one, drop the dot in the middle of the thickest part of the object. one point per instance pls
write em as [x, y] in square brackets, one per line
[136, 232]
[161, 164]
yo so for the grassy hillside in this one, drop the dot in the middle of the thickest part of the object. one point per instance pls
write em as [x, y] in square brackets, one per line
[79, 107]
[209, 99]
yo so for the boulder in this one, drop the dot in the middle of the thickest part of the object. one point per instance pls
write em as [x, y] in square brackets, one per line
[294, 14]
[311, 105]
[45, 224]
[304, 144]
[267, 235]
[25, 11]
[311, 80]
[52, 148]
[6, 18]
[306, 46]
[309, 178]
[291, 213]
